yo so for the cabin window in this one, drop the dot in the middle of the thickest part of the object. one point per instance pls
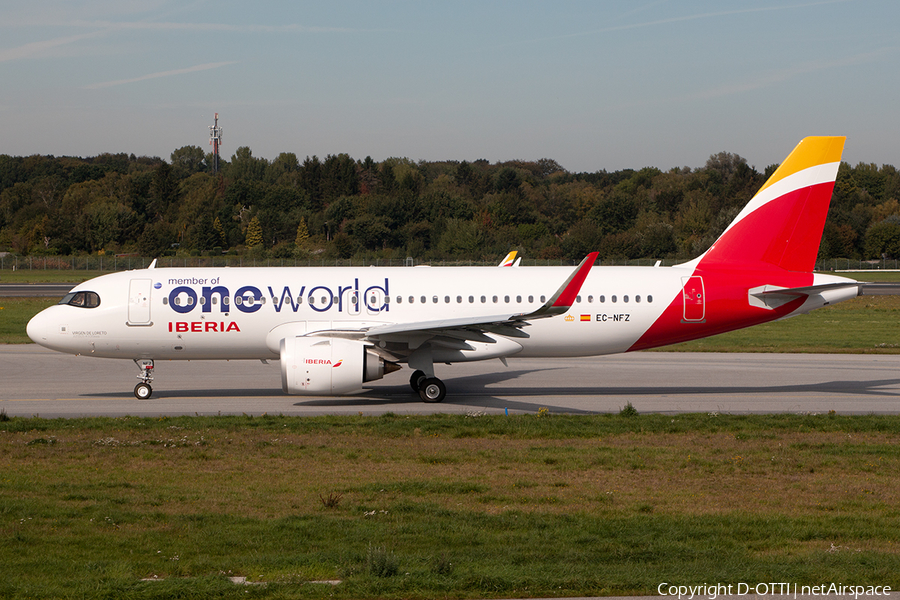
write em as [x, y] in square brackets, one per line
[590, 299]
[399, 299]
[649, 298]
[637, 298]
[412, 300]
[483, 299]
[471, 299]
[578, 299]
[543, 299]
[625, 298]
[613, 298]
[434, 299]
[459, 299]
[530, 299]
[446, 299]
[519, 299]
[494, 299]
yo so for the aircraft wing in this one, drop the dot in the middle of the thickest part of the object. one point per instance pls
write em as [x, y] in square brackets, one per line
[474, 328]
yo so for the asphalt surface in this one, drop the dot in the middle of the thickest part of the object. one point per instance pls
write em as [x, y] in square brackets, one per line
[36, 381]
[34, 290]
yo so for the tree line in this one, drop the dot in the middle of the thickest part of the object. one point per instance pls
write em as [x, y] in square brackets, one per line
[339, 207]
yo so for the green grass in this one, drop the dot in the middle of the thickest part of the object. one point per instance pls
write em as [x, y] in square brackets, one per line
[863, 325]
[49, 275]
[15, 314]
[444, 506]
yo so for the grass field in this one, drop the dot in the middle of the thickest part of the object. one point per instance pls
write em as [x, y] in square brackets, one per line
[15, 314]
[444, 506]
[868, 324]
[451, 506]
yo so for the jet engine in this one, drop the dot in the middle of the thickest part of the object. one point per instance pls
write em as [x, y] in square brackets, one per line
[329, 366]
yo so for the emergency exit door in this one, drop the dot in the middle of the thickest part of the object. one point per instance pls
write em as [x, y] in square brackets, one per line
[139, 302]
[694, 299]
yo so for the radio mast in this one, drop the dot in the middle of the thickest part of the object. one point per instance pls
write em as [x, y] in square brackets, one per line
[215, 139]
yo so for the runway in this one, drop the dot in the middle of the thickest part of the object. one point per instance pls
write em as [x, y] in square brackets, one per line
[36, 381]
[35, 290]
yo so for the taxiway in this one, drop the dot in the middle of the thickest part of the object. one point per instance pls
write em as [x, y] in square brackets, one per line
[36, 381]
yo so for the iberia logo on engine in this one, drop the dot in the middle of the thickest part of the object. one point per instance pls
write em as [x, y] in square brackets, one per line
[322, 361]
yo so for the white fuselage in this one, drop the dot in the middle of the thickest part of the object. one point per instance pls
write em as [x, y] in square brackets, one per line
[177, 313]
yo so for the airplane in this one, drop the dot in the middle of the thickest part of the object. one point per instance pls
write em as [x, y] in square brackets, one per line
[335, 329]
[511, 260]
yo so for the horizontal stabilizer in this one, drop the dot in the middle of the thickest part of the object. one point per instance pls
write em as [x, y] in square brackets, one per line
[773, 296]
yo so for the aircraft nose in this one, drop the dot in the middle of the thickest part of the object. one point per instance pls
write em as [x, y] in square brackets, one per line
[37, 328]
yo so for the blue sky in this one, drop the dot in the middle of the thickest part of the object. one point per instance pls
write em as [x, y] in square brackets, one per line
[592, 84]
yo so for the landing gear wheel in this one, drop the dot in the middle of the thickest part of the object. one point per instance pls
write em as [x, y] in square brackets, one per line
[142, 391]
[416, 379]
[432, 389]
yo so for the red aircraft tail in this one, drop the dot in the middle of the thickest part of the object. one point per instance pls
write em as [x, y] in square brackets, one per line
[782, 225]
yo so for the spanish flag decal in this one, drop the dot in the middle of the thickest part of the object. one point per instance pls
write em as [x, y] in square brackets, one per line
[585, 317]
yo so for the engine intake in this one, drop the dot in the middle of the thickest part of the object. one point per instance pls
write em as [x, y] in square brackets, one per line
[329, 366]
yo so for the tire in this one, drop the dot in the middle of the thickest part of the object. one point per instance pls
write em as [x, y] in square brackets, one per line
[142, 391]
[432, 389]
[415, 379]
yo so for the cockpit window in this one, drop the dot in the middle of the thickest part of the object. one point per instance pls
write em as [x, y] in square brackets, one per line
[81, 299]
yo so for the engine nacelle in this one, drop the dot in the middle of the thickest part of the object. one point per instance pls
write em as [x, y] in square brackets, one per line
[328, 366]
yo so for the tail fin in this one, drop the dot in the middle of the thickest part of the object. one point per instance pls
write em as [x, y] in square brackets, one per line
[782, 225]
[509, 261]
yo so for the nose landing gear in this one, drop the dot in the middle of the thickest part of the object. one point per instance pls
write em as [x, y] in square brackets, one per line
[143, 390]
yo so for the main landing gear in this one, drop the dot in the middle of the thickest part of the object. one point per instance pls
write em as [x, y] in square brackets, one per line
[143, 390]
[430, 389]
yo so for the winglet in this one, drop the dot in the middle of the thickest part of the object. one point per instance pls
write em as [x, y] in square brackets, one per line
[564, 297]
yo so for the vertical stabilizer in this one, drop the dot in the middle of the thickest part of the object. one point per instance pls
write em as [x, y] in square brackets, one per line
[782, 225]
